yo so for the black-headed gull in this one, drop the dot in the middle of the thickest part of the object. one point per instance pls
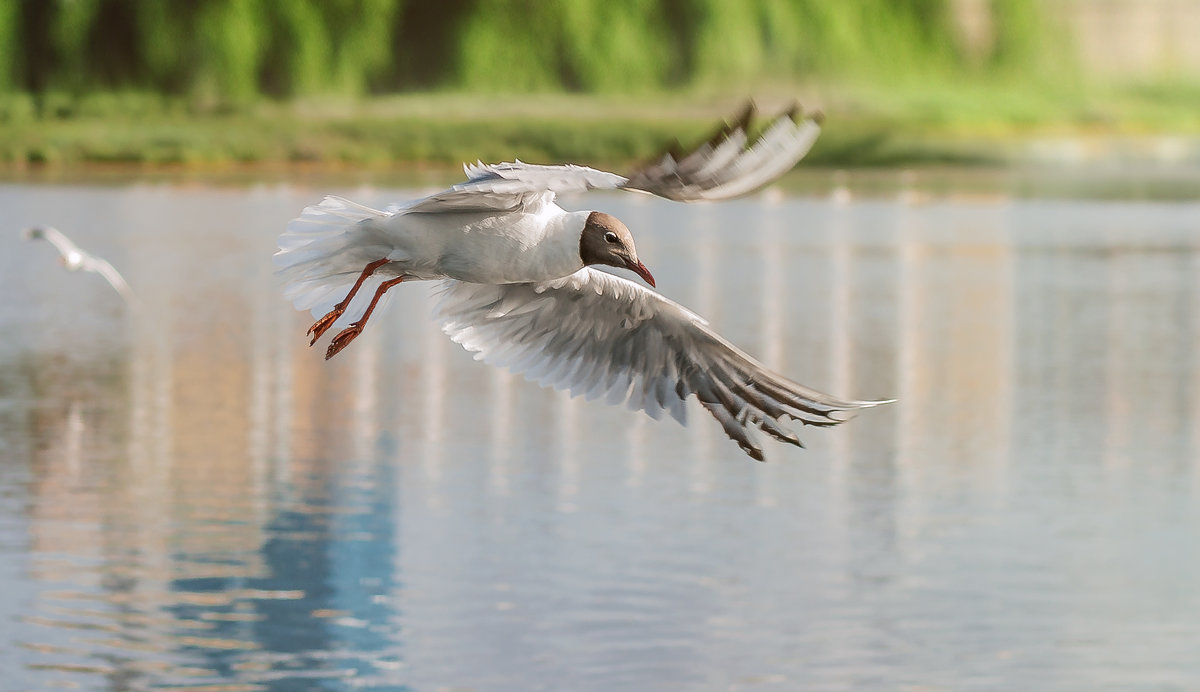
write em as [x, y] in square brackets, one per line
[75, 259]
[519, 289]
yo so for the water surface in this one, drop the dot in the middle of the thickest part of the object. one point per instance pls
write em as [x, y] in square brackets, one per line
[191, 498]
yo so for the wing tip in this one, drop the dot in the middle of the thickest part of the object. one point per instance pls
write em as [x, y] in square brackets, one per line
[742, 121]
[663, 175]
[796, 113]
[850, 409]
[870, 403]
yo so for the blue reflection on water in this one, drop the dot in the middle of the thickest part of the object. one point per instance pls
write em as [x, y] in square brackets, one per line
[326, 604]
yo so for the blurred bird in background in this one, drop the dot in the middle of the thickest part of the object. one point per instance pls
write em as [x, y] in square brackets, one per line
[76, 259]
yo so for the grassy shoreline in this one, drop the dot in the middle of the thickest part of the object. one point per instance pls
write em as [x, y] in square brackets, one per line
[867, 128]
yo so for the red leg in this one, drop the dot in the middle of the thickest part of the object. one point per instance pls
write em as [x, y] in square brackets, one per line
[344, 337]
[322, 325]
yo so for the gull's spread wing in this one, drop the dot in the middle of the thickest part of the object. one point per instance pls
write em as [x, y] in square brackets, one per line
[724, 167]
[600, 335]
[720, 168]
[513, 186]
[110, 274]
[61, 243]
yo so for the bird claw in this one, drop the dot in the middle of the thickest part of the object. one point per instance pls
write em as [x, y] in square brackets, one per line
[343, 339]
[322, 325]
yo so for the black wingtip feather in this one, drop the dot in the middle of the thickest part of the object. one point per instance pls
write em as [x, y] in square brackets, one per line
[742, 122]
[728, 127]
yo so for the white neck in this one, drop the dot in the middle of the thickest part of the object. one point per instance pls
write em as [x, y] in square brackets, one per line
[528, 247]
[558, 250]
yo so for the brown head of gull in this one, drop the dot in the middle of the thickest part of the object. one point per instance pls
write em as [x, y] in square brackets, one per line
[605, 240]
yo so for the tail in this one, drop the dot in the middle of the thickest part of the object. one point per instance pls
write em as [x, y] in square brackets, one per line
[323, 251]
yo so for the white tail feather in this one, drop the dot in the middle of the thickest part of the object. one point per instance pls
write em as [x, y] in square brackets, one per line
[324, 250]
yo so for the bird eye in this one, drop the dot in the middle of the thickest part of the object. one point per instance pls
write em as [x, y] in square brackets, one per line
[610, 237]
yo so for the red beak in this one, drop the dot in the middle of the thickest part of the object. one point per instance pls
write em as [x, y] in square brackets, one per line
[641, 270]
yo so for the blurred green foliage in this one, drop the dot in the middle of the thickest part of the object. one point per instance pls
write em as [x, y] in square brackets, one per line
[227, 53]
[199, 83]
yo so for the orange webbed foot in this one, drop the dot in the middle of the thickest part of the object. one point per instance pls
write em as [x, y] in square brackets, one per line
[322, 325]
[343, 339]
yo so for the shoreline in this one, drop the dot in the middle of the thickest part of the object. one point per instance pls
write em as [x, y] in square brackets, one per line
[1075, 153]
[905, 185]
[431, 133]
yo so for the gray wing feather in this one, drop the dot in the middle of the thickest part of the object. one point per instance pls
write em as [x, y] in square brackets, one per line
[723, 167]
[513, 186]
[560, 178]
[720, 168]
[602, 336]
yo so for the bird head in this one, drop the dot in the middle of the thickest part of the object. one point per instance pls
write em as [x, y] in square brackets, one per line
[605, 240]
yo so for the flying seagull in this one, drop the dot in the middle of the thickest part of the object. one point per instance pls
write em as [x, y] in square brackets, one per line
[519, 288]
[74, 259]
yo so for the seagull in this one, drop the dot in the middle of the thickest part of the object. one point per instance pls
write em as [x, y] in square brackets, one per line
[520, 288]
[74, 259]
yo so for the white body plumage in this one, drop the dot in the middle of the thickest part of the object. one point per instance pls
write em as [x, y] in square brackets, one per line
[324, 249]
[517, 292]
[486, 247]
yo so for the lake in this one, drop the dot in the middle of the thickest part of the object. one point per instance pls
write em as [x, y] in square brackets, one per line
[192, 498]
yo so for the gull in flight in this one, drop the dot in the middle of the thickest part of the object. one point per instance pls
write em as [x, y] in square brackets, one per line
[74, 259]
[519, 288]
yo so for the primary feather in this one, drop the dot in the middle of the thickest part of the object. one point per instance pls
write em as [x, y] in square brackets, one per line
[602, 336]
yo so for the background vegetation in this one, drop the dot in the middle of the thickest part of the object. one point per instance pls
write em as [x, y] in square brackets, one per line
[362, 81]
[229, 52]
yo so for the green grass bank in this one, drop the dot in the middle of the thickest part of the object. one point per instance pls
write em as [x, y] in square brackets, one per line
[933, 124]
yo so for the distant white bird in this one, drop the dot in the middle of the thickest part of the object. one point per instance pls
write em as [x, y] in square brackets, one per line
[75, 259]
[519, 290]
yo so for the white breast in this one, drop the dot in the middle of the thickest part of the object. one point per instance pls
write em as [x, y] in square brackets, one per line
[486, 247]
